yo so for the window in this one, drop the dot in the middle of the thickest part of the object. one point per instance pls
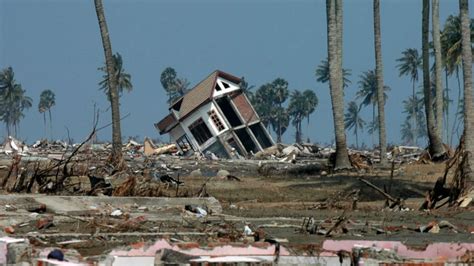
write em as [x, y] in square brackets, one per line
[200, 131]
[226, 86]
[215, 119]
[184, 144]
[218, 88]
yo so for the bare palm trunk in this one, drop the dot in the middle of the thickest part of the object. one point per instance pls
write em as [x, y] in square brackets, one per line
[446, 117]
[334, 30]
[414, 113]
[357, 136]
[436, 147]
[45, 127]
[379, 79]
[50, 124]
[467, 77]
[116, 157]
[438, 68]
[456, 121]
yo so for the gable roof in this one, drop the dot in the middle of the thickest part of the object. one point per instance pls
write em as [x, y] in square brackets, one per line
[201, 93]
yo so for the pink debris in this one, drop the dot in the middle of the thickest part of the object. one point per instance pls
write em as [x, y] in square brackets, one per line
[435, 251]
[224, 250]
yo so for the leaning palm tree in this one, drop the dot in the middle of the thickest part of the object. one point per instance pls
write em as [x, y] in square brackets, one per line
[438, 68]
[334, 44]
[410, 63]
[468, 108]
[116, 156]
[379, 83]
[124, 79]
[353, 120]
[47, 101]
[436, 147]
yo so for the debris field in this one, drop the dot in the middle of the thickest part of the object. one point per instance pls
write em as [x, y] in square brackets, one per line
[283, 205]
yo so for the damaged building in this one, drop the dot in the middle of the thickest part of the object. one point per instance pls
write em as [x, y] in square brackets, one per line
[215, 116]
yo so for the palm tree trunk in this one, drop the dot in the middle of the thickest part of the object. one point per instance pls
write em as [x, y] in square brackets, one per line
[379, 79]
[414, 113]
[45, 127]
[467, 77]
[116, 157]
[458, 107]
[335, 83]
[438, 68]
[50, 124]
[357, 136]
[447, 109]
[436, 147]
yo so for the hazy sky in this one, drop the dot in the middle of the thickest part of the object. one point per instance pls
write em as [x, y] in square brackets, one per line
[56, 44]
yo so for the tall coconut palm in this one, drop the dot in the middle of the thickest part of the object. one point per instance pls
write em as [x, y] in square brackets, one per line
[353, 120]
[379, 83]
[334, 32]
[410, 63]
[47, 101]
[438, 68]
[436, 147]
[124, 79]
[467, 78]
[116, 156]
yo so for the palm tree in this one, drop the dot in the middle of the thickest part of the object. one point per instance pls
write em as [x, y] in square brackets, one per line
[322, 73]
[379, 83]
[179, 87]
[13, 101]
[280, 90]
[301, 105]
[116, 156]
[280, 119]
[407, 132]
[352, 120]
[123, 78]
[451, 51]
[415, 104]
[436, 147]
[246, 88]
[467, 78]
[438, 67]
[263, 103]
[167, 78]
[47, 100]
[334, 44]
[368, 93]
[410, 62]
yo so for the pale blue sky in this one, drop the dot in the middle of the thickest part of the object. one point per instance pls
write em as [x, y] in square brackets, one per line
[55, 44]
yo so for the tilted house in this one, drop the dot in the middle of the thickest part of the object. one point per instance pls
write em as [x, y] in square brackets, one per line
[216, 116]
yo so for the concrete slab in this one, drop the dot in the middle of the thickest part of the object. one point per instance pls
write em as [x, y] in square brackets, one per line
[82, 205]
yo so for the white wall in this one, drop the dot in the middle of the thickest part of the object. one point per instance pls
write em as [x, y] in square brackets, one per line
[202, 113]
[233, 87]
